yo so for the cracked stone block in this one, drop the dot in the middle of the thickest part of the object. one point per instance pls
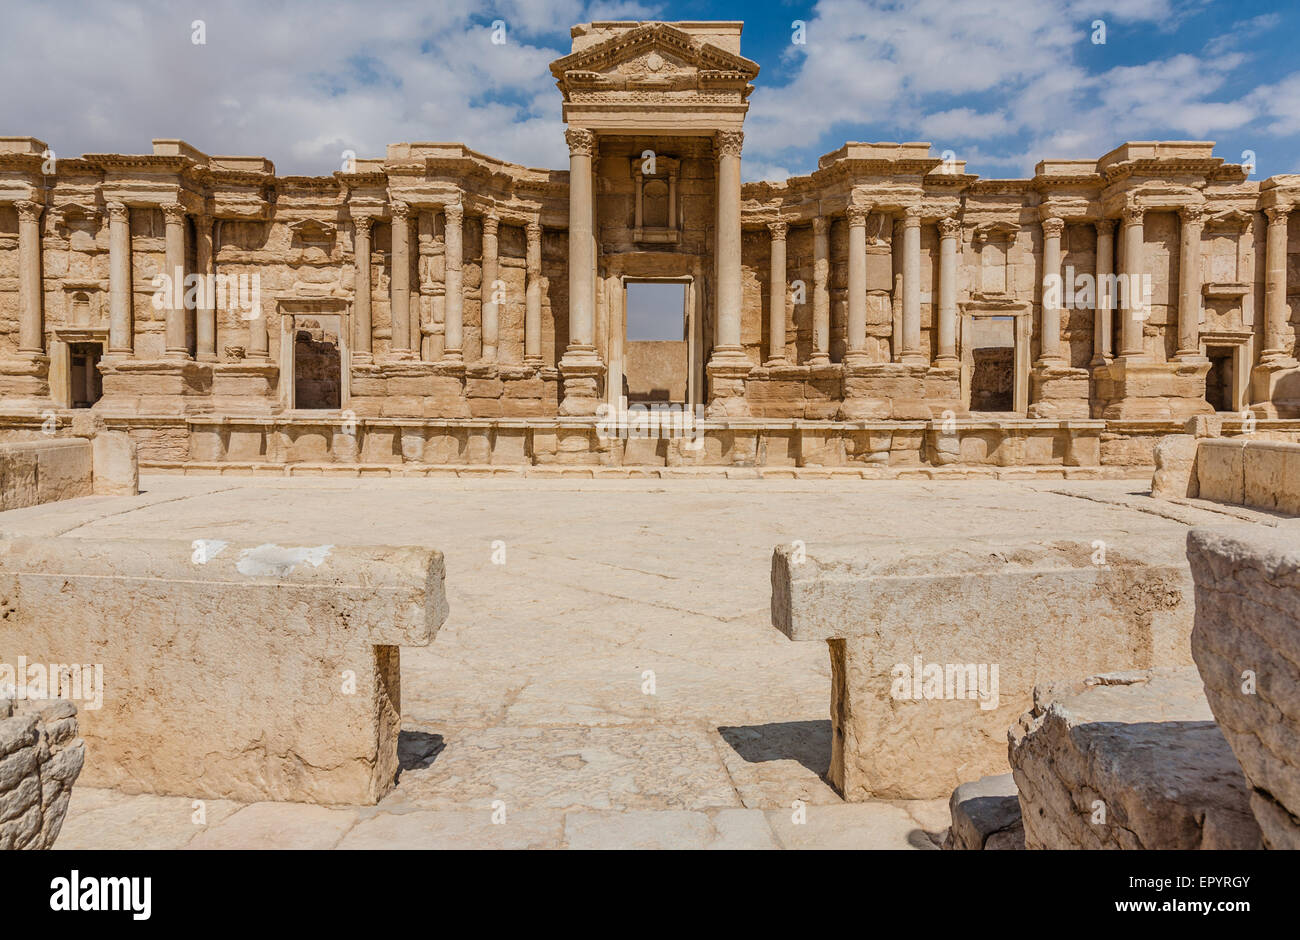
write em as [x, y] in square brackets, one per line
[1128, 760]
[1246, 643]
[986, 815]
[40, 758]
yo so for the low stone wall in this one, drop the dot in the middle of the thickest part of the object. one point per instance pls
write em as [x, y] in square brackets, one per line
[40, 758]
[38, 472]
[990, 616]
[240, 671]
[1246, 642]
[1258, 474]
[1128, 761]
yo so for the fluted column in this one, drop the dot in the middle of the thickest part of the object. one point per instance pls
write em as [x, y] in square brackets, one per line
[121, 335]
[821, 295]
[174, 250]
[1131, 295]
[1104, 302]
[400, 344]
[533, 295]
[31, 327]
[1189, 282]
[363, 341]
[1275, 308]
[1049, 339]
[454, 302]
[778, 290]
[949, 236]
[856, 347]
[912, 353]
[730, 297]
[487, 289]
[205, 314]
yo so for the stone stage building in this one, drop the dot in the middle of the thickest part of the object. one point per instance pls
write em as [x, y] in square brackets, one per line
[438, 306]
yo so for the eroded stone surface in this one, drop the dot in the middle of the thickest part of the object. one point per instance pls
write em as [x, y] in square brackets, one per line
[986, 815]
[40, 758]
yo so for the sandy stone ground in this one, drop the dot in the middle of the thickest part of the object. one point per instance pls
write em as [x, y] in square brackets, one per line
[534, 698]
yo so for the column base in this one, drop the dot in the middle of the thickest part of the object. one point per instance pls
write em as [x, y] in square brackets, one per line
[1059, 392]
[248, 386]
[155, 387]
[582, 370]
[1137, 389]
[885, 390]
[727, 375]
[1275, 388]
[25, 383]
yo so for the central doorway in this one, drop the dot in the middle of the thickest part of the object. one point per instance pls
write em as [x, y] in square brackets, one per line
[656, 355]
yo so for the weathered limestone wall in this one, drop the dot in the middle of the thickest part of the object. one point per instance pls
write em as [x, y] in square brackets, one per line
[1020, 611]
[1247, 648]
[1128, 761]
[1259, 474]
[247, 672]
[40, 758]
[44, 471]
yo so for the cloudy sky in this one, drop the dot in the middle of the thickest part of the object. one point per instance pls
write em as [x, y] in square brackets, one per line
[1001, 83]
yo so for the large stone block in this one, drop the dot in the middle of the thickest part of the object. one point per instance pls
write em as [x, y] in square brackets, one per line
[989, 619]
[237, 671]
[34, 472]
[1128, 761]
[1246, 643]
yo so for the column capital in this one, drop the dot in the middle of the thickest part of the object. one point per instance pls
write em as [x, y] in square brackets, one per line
[533, 230]
[491, 223]
[173, 212]
[857, 214]
[912, 216]
[455, 213]
[1133, 214]
[401, 210]
[820, 224]
[1053, 226]
[778, 230]
[1104, 226]
[362, 224]
[1277, 214]
[118, 212]
[582, 142]
[949, 227]
[28, 211]
[1192, 215]
[729, 143]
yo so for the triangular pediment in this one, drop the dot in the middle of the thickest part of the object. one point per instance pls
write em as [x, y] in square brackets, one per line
[651, 52]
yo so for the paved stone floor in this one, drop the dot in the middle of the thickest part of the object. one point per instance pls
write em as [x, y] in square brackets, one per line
[533, 701]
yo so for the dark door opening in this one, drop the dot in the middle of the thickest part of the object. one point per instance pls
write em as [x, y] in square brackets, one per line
[656, 356]
[993, 372]
[87, 384]
[1219, 380]
[317, 367]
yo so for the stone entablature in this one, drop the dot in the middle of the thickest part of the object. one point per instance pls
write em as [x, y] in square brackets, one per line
[461, 286]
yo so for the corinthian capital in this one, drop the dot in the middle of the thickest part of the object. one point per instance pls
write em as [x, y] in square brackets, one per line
[28, 211]
[455, 213]
[1104, 226]
[401, 211]
[490, 223]
[1277, 214]
[949, 227]
[361, 224]
[174, 213]
[729, 143]
[857, 214]
[1053, 227]
[118, 212]
[582, 142]
[778, 230]
[912, 216]
[1133, 214]
[1192, 215]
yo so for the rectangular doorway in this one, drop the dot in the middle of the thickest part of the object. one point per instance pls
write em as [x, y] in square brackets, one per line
[83, 373]
[656, 353]
[1219, 381]
[317, 363]
[993, 369]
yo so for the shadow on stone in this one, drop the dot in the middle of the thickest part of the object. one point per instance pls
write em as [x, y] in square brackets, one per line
[417, 750]
[808, 742]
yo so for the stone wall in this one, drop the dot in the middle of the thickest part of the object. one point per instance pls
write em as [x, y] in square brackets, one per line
[44, 471]
[1259, 474]
[40, 758]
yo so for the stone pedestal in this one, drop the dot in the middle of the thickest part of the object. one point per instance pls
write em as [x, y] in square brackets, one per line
[1141, 390]
[727, 388]
[581, 385]
[885, 390]
[245, 387]
[25, 383]
[1275, 387]
[155, 387]
[943, 391]
[1059, 392]
[418, 389]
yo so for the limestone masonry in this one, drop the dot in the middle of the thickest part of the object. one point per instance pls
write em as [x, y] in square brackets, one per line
[438, 306]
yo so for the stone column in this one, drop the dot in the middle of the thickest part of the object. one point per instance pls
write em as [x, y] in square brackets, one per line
[363, 342]
[1049, 338]
[821, 297]
[580, 364]
[174, 243]
[1189, 282]
[400, 344]
[1275, 307]
[487, 289]
[454, 303]
[1134, 309]
[1104, 302]
[31, 326]
[778, 290]
[121, 335]
[912, 352]
[205, 317]
[726, 344]
[949, 237]
[533, 295]
[856, 350]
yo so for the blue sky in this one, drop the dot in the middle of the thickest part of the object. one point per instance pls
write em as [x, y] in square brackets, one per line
[1002, 83]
